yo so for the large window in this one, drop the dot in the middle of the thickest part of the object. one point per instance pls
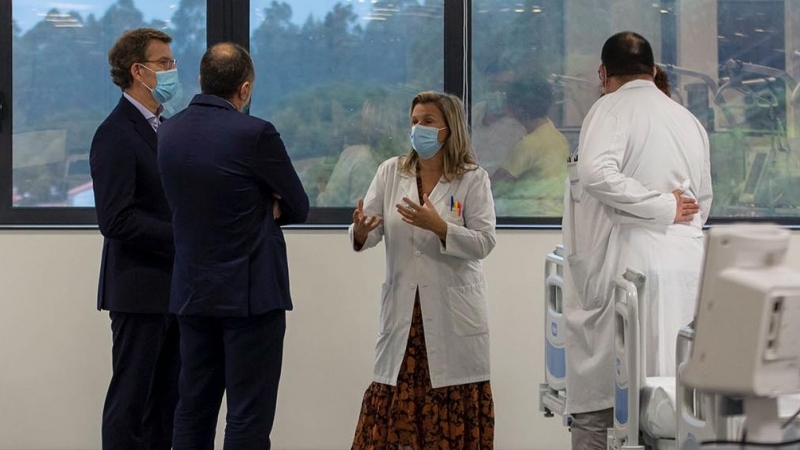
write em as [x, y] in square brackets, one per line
[62, 90]
[518, 131]
[732, 63]
[336, 78]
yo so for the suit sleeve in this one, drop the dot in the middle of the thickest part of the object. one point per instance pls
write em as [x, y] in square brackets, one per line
[113, 167]
[273, 167]
[599, 169]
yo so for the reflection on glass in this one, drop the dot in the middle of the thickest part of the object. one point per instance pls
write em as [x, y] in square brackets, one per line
[337, 82]
[62, 89]
[516, 113]
[322, 64]
[732, 63]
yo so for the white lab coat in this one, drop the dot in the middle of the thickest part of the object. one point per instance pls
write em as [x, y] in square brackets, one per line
[449, 277]
[636, 147]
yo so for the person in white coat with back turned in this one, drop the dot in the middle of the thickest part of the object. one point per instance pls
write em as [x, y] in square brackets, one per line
[435, 210]
[639, 194]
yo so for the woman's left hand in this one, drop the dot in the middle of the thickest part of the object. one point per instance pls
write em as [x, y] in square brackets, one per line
[423, 216]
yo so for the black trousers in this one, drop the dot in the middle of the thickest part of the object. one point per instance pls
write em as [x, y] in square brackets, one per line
[241, 357]
[141, 398]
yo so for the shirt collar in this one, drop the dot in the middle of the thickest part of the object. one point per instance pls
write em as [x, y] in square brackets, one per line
[142, 109]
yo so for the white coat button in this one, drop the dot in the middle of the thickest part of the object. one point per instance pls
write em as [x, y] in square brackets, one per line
[411, 285]
[417, 253]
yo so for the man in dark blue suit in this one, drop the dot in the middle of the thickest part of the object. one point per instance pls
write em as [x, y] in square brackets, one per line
[136, 267]
[231, 186]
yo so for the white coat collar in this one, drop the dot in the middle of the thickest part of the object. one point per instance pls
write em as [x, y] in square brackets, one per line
[636, 84]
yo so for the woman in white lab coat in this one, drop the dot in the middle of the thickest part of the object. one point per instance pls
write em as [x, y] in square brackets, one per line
[434, 207]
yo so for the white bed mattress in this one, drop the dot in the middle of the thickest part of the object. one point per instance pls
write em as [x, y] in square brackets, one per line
[657, 412]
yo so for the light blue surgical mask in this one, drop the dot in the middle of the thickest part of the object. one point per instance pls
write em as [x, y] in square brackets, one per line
[167, 85]
[425, 140]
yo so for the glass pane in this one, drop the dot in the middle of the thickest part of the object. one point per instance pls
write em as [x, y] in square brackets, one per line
[733, 63]
[336, 77]
[519, 133]
[62, 89]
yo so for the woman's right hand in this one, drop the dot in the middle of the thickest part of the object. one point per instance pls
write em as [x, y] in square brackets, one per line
[362, 225]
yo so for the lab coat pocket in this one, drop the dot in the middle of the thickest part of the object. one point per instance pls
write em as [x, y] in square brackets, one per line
[453, 217]
[468, 309]
[386, 302]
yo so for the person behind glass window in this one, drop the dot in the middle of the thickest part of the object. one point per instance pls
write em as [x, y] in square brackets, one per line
[434, 207]
[231, 186]
[661, 80]
[530, 180]
[136, 268]
[639, 193]
[378, 139]
[494, 129]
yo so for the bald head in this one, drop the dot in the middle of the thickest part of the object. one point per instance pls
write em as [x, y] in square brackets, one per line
[627, 53]
[224, 68]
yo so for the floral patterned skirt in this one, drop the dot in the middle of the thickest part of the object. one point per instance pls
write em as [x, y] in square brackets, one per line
[414, 416]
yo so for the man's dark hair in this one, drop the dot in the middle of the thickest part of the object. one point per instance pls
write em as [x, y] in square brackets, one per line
[224, 68]
[530, 98]
[131, 48]
[627, 53]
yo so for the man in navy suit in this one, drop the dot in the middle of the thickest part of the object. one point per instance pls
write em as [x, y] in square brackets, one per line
[231, 186]
[136, 267]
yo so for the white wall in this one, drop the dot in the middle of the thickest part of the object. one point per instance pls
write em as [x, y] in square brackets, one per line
[55, 348]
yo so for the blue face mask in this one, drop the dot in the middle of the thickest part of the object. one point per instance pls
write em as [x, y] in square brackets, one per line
[167, 85]
[424, 140]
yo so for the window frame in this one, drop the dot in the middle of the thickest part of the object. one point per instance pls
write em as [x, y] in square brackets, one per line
[228, 20]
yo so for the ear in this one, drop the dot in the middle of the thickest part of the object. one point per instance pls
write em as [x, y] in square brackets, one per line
[135, 71]
[244, 90]
[655, 71]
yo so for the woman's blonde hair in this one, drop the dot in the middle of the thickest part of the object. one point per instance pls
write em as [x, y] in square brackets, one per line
[457, 148]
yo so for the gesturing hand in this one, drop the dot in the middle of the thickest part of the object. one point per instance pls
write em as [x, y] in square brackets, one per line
[362, 224]
[423, 216]
[685, 207]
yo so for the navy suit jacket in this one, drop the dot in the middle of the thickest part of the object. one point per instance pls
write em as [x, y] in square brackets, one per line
[133, 215]
[221, 169]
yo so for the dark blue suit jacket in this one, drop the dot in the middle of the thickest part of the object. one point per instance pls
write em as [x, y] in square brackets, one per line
[220, 169]
[132, 213]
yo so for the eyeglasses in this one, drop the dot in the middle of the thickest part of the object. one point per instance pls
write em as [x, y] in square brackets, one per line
[165, 63]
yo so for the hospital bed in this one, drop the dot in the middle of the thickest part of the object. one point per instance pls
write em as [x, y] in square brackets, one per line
[646, 409]
[552, 393]
[660, 411]
[705, 406]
